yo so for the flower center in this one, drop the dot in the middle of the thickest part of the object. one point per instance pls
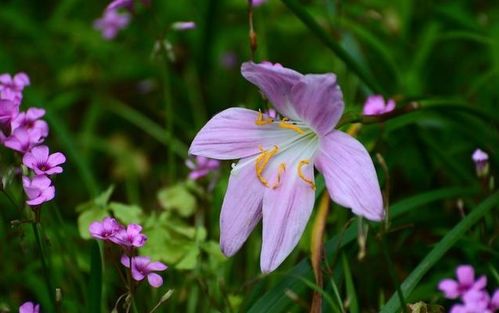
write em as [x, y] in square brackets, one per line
[303, 144]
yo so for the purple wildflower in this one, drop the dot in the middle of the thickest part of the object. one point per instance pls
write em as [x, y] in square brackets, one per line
[376, 105]
[111, 22]
[106, 229]
[39, 189]
[228, 60]
[11, 88]
[41, 162]
[465, 282]
[257, 3]
[201, 167]
[22, 140]
[31, 121]
[143, 267]
[481, 160]
[29, 307]
[183, 25]
[8, 111]
[274, 178]
[130, 237]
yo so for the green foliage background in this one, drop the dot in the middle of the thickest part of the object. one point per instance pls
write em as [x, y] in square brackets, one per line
[125, 114]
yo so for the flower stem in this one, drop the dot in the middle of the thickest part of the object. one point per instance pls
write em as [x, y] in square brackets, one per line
[41, 251]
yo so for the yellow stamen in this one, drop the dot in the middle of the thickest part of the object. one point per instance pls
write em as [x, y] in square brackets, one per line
[285, 124]
[262, 161]
[300, 173]
[280, 171]
[260, 121]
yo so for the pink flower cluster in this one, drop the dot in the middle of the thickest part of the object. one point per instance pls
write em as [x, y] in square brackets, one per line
[25, 133]
[475, 298]
[129, 238]
[201, 166]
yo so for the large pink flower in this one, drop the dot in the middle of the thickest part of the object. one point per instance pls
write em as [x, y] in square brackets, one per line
[274, 178]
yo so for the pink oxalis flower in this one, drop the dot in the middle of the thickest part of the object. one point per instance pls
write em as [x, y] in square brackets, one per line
[11, 88]
[41, 162]
[376, 105]
[143, 267]
[106, 229]
[29, 307]
[38, 190]
[111, 23]
[477, 301]
[23, 140]
[31, 121]
[201, 167]
[130, 237]
[465, 282]
[274, 178]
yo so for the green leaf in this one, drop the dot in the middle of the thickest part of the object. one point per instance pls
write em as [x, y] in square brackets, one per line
[393, 305]
[95, 282]
[126, 213]
[178, 198]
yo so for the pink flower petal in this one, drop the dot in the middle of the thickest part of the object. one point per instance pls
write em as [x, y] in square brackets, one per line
[450, 288]
[156, 266]
[286, 211]
[155, 280]
[233, 134]
[318, 100]
[465, 275]
[350, 175]
[241, 209]
[275, 82]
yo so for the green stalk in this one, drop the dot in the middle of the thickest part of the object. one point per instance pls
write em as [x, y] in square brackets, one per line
[41, 251]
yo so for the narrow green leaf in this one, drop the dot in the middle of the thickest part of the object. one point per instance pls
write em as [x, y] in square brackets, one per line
[353, 304]
[393, 305]
[95, 283]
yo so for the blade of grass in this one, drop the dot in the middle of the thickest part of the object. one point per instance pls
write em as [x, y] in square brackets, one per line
[353, 304]
[329, 42]
[393, 305]
[95, 283]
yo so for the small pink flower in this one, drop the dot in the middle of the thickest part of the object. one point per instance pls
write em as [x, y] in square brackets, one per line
[106, 229]
[201, 167]
[22, 140]
[8, 111]
[375, 105]
[111, 23]
[41, 162]
[465, 282]
[29, 307]
[183, 25]
[481, 160]
[31, 121]
[39, 189]
[143, 267]
[130, 237]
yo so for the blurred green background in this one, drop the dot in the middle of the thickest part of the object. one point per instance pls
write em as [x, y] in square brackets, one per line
[124, 113]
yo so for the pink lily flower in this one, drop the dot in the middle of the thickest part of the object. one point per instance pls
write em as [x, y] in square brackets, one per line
[274, 178]
[143, 267]
[39, 189]
[376, 105]
[465, 282]
[41, 162]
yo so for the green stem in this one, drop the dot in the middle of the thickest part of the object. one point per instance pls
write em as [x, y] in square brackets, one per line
[393, 275]
[41, 250]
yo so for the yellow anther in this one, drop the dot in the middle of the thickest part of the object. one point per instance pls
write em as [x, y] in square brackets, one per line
[261, 163]
[300, 173]
[280, 171]
[260, 121]
[285, 124]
